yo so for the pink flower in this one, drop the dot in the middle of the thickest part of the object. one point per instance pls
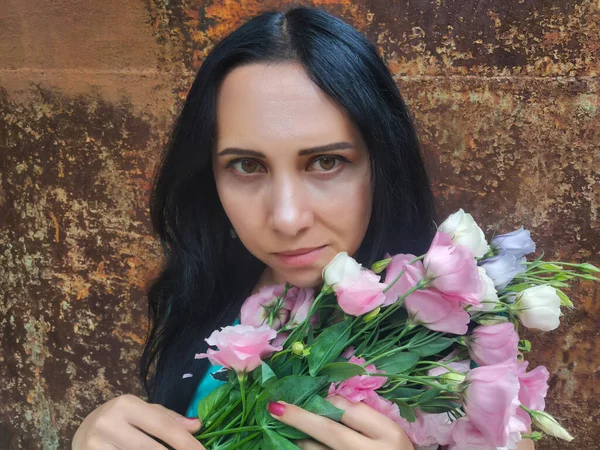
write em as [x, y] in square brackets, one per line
[428, 429]
[359, 387]
[241, 347]
[452, 270]
[256, 308]
[491, 399]
[412, 274]
[384, 406]
[358, 290]
[349, 352]
[361, 295]
[301, 304]
[493, 344]
[463, 366]
[534, 386]
[466, 436]
[280, 339]
[437, 312]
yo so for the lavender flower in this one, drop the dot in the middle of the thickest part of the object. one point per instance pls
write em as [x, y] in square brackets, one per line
[503, 267]
[517, 243]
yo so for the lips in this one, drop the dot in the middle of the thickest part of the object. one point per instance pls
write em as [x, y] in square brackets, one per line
[301, 257]
[299, 251]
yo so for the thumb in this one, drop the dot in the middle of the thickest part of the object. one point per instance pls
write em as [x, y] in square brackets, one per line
[191, 424]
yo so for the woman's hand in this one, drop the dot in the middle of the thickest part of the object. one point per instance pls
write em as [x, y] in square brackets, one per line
[127, 422]
[362, 427]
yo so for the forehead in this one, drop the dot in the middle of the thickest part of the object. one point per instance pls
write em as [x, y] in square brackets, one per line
[271, 103]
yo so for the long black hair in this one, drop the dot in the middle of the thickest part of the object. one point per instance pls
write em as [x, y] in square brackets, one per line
[207, 274]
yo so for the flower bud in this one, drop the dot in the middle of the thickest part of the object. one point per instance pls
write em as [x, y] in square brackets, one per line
[589, 267]
[372, 314]
[379, 266]
[538, 307]
[298, 348]
[564, 300]
[534, 436]
[452, 378]
[549, 425]
[524, 345]
[490, 319]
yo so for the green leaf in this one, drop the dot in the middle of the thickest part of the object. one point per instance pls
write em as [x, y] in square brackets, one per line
[406, 410]
[318, 405]
[429, 394]
[589, 268]
[290, 432]
[437, 406]
[212, 400]
[251, 398]
[294, 389]
[328, 345]
[339, 371]
[520, 287]
[404, 392]
[310, 336]
[551, 267]
[397, 363]
[433, 347]
[274, 441]
[267, 376]
[420, 335]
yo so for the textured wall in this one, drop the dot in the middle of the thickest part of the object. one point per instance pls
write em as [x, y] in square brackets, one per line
[505, 94]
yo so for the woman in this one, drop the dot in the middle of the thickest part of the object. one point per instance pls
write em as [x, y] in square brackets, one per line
[293, 144]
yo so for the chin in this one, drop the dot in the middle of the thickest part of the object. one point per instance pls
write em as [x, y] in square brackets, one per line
[304, 279]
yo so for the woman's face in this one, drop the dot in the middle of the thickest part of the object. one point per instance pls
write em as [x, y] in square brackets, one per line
[292, 170]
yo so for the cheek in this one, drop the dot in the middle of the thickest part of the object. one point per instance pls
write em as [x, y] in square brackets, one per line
[244, 211]
[347, 211]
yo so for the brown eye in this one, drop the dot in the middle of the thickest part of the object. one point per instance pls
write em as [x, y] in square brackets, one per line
[246, 165]
[327, 162]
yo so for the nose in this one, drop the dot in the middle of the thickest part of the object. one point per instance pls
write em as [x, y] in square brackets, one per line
[290, 206]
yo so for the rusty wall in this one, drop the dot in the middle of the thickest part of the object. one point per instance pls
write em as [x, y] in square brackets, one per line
[505, 95]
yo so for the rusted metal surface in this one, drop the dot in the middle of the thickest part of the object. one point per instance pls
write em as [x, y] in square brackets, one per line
[505, 96]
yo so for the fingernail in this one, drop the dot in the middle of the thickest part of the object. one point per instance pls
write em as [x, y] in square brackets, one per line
[276, 408]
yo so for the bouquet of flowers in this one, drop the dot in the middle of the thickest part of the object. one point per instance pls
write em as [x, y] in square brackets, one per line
[434, 346]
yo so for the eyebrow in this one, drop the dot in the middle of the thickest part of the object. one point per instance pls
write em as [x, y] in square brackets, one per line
[305, 151]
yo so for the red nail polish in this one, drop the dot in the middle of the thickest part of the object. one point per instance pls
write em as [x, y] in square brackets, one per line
[276, 408]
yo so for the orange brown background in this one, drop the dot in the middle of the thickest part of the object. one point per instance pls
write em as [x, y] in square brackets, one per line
[505, 95]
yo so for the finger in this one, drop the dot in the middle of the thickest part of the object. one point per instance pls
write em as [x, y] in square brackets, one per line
[132, 437]
[192, 424]
[309, 444]
[159, 424]
[363, 418]
[324, 430]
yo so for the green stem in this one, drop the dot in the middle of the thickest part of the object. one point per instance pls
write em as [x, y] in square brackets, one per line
[402, 273]
[243, 441]
[218, 421]
[242, 380]
[229, 431]
[229, 425]
[417, 380]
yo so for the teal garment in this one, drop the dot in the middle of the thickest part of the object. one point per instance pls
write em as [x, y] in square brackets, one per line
[206, 386]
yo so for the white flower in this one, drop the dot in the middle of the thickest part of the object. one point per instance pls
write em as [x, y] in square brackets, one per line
[489, 298]
[549, 425]
[538, 307]
[342, 269]
[464, 231]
